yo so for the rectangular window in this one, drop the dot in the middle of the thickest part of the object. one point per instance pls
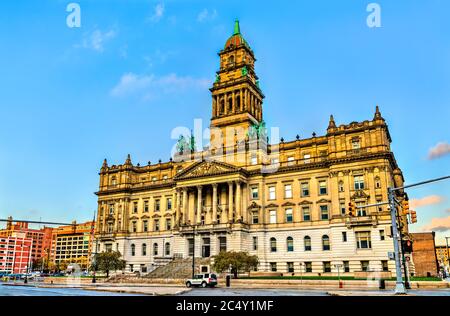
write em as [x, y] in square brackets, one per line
[145, 226]
[289, 215]
[146, 206]
[135, 207]
[157, 205]
[344, 236]
[361, 211]
[346, 266]
[306, 213]
[156, 225]
[290, 160]
[326, 266]
[255, 243]
[382, 237]
[288, 191]
[254, 160]
[356, 144]
[191, 247]
[273, 217]
[273, 266]
[305, 189]
[272, 195]
[133, 227]
[322, 187]
[168, 224]
[169, 204]
[363, 240]
[222, 244]
[359, 182]
[324, 212]
[308, 266]
[364, 266]
[290, 267]
[384, 265]
[254, 193]
[342, 207]
[255, 218]
[306, 158]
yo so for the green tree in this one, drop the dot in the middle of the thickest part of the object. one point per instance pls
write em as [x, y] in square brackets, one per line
[108, 261]
[238, 261]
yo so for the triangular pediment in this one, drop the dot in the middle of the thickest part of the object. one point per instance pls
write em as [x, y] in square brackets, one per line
[207, 168]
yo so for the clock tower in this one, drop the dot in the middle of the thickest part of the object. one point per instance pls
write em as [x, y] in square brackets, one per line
[236, 96]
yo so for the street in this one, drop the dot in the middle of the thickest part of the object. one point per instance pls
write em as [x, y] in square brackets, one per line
[308, 292]
[12, 290]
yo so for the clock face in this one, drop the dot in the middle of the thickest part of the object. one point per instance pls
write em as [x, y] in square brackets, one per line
[244, 71]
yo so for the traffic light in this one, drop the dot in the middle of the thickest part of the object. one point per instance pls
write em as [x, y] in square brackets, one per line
[405, 207]
[407, 246]
[413, 217]
[351, 208]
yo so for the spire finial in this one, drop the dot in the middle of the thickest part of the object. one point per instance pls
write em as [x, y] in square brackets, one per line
[237, 29]
[331, 124]
[377, 115]
[128, 161]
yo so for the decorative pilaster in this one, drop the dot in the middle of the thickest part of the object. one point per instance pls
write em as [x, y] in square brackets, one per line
[214, 203]
[230, 201]
[238, 201]
[199, 204]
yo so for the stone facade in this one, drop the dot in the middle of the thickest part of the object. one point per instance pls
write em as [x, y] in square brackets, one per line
[285, 202]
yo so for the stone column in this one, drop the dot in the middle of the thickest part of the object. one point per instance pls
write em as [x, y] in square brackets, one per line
[214, 203]
[233, 102]
[185, 206]
[245, 194]
[199, 204]
[241, 104]
[176, 203]
[230, 201]
[238, 201]
[191, 199]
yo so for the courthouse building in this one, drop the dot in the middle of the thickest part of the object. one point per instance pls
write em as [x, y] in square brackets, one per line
[287, 202]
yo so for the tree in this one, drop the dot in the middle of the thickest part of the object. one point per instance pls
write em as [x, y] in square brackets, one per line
[108, 261]
[238, 261]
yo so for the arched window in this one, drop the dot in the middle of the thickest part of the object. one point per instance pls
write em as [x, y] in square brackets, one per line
[238, 102]
[133, 250]
[144, 249]
[307, 241]
[231, 59]
[377, 182]
[325, 242]
[167, 249]
[113, 181]
[341, 186]
[290, 244]
[155, 249]
[273, 244]
[230, 104]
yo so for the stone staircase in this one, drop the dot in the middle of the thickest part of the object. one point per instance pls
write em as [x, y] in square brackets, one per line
[178, 269]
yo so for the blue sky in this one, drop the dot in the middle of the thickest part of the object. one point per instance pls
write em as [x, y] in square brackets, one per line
[70, 97]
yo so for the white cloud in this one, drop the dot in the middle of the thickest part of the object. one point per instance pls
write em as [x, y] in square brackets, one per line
[158, 13]
[441, 149]
[96, 39]
[438, 225]
[206, 15]
[149, 86]
[425, 201]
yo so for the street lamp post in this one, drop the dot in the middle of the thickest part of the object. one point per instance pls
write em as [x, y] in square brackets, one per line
[339, 275]
[193, 250]
[301, 272]
[94, 262]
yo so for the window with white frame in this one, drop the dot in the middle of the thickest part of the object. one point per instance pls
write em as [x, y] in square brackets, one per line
[305, 189]
[306, 213]
[272, 195]
[341, 186]
[272, 216]
[359, 182]
[255, 218]
[324, 212]
[290, 160]
[361, 211]
[289, 215]
[288, 191]
[342, 207]
[254, 160]
[356, 144]
[322, 187]
[363, 240]
[254, 193]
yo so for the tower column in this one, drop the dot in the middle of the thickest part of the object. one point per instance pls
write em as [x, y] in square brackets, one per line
[241, 104]
[230, 201]
[185, 206]
[199, 204]
[233, 102]
[214, 203]
[238, 200]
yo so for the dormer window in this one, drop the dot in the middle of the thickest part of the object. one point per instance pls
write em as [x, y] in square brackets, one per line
[356, 144]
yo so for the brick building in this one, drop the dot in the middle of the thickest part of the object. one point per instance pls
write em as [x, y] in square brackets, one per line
[15, 253]
[424, 254]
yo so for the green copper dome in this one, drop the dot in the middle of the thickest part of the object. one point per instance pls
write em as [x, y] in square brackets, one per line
[236, 39]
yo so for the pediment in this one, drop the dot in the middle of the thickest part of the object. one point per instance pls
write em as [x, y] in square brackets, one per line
[253, 206]
[324, 201]
[207, 168]
[360, 194]
[305, 202]
[271, 205]
[288, 204]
